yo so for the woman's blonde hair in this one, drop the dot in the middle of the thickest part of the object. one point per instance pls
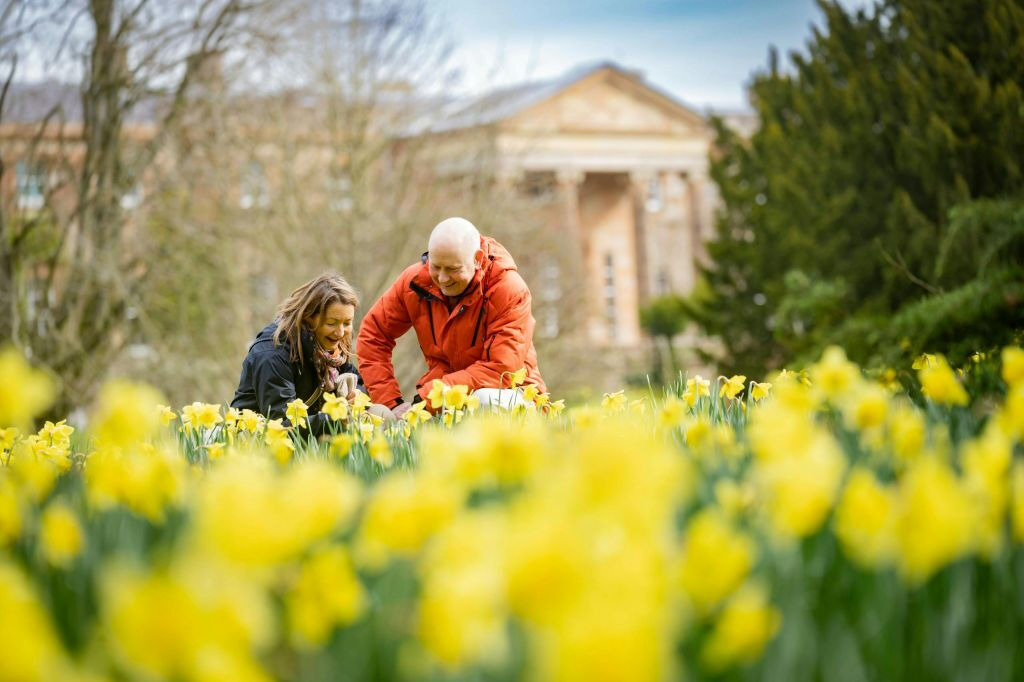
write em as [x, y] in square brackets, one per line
[311, 301]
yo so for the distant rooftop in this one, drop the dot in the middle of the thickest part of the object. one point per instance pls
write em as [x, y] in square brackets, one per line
[32, 102]
[502, 103]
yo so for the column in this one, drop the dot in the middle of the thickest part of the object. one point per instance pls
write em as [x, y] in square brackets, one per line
[698, 217]
[569, 181]
[639, 181]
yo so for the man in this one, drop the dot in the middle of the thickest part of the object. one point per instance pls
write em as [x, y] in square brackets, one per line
[471, 312]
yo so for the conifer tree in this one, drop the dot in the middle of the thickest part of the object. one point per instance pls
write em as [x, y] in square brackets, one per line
[849, 209]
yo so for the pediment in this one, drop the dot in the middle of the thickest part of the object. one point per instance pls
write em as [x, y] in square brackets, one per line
[608, 101]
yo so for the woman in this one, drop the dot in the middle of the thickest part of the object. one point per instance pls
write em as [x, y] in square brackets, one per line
[305, 352]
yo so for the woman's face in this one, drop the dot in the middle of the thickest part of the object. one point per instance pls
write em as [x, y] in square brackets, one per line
[335, 327]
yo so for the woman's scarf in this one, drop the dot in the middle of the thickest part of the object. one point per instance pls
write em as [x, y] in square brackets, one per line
[328, 366]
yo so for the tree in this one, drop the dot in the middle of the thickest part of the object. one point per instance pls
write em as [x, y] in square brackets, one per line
[869, 146]
[664, 318]
[70, 272]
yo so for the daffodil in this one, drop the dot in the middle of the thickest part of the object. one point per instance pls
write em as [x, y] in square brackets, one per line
[335, 407]
[923, 361]
[60, 534]
[26, 391]
[436, 394]
[517, 377]
[200, 415]
[732, 386]
[341, 444]
[940, 384]
[380, 451]
[456, 396]
[417, 414]
[760, 391]
[165, 414]
[215, 451]
[613, 402]
[297, 411]
[360, 403]
[1013, 365]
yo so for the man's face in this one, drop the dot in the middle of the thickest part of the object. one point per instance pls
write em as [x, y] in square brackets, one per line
[451, 270]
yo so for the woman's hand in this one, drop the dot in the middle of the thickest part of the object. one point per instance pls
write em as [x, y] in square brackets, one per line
[347, 386]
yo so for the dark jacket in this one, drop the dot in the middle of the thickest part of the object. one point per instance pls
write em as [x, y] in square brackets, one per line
[270, 380]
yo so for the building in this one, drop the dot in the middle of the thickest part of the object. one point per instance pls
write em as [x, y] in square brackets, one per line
[625, 166]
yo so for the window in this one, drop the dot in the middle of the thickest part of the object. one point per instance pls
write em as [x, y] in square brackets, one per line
[132, 199]
[31, 183]
[654, 199]
[339, 189]
[255, 192]
[539, 185]
[609, 296]
[550, 295]
[662, 284]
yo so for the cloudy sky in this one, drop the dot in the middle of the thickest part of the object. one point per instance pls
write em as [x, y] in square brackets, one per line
[702, 51]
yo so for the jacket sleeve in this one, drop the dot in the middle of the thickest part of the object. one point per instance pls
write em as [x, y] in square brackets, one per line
[386, 321]
[275, 384]
[507, 341]
[275, 388]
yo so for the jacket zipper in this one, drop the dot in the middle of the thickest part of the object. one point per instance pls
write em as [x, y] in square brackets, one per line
[430, 316]
[476, 329]
[428, 297]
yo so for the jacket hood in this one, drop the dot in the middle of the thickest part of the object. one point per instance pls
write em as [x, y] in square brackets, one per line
[265, 341]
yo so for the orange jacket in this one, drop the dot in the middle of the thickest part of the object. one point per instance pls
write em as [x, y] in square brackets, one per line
[487, 333]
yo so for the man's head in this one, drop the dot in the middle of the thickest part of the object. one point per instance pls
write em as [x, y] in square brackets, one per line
[454, 255]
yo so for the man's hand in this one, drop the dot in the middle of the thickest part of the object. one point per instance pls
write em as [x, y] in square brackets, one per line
[381, 411]
[400, 411]
[347, 386]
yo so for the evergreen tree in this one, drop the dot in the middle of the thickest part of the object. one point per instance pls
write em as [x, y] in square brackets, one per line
[839, 222]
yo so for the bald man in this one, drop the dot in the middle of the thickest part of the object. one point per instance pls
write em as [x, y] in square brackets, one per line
[471, 312]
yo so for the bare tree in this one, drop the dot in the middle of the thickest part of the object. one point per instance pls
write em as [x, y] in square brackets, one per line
[69, 269]
[287, 165]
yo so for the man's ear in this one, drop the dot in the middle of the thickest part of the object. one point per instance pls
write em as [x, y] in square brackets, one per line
[478, 257]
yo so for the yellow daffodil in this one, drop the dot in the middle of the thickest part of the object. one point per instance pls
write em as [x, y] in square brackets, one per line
[380, 451]
[200, 415]
[760, 391]
[613, 402]
[939, 384]
[26, 391]
[517, 377]
[924, 361]
[746, 625]
[1013, 365]
[732, 386]
[341, 444]
[456, 396]
[60, 535]
[436, 394]
[297, 411]
[335, 407]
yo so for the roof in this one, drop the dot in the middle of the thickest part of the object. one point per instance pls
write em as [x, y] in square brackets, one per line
[503, 103]
[32, 102]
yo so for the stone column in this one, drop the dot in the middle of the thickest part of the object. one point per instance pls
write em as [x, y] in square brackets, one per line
[695, 184]
[569, 182]
[639, 181]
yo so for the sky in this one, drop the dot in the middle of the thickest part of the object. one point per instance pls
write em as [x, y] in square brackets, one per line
[701, 51]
